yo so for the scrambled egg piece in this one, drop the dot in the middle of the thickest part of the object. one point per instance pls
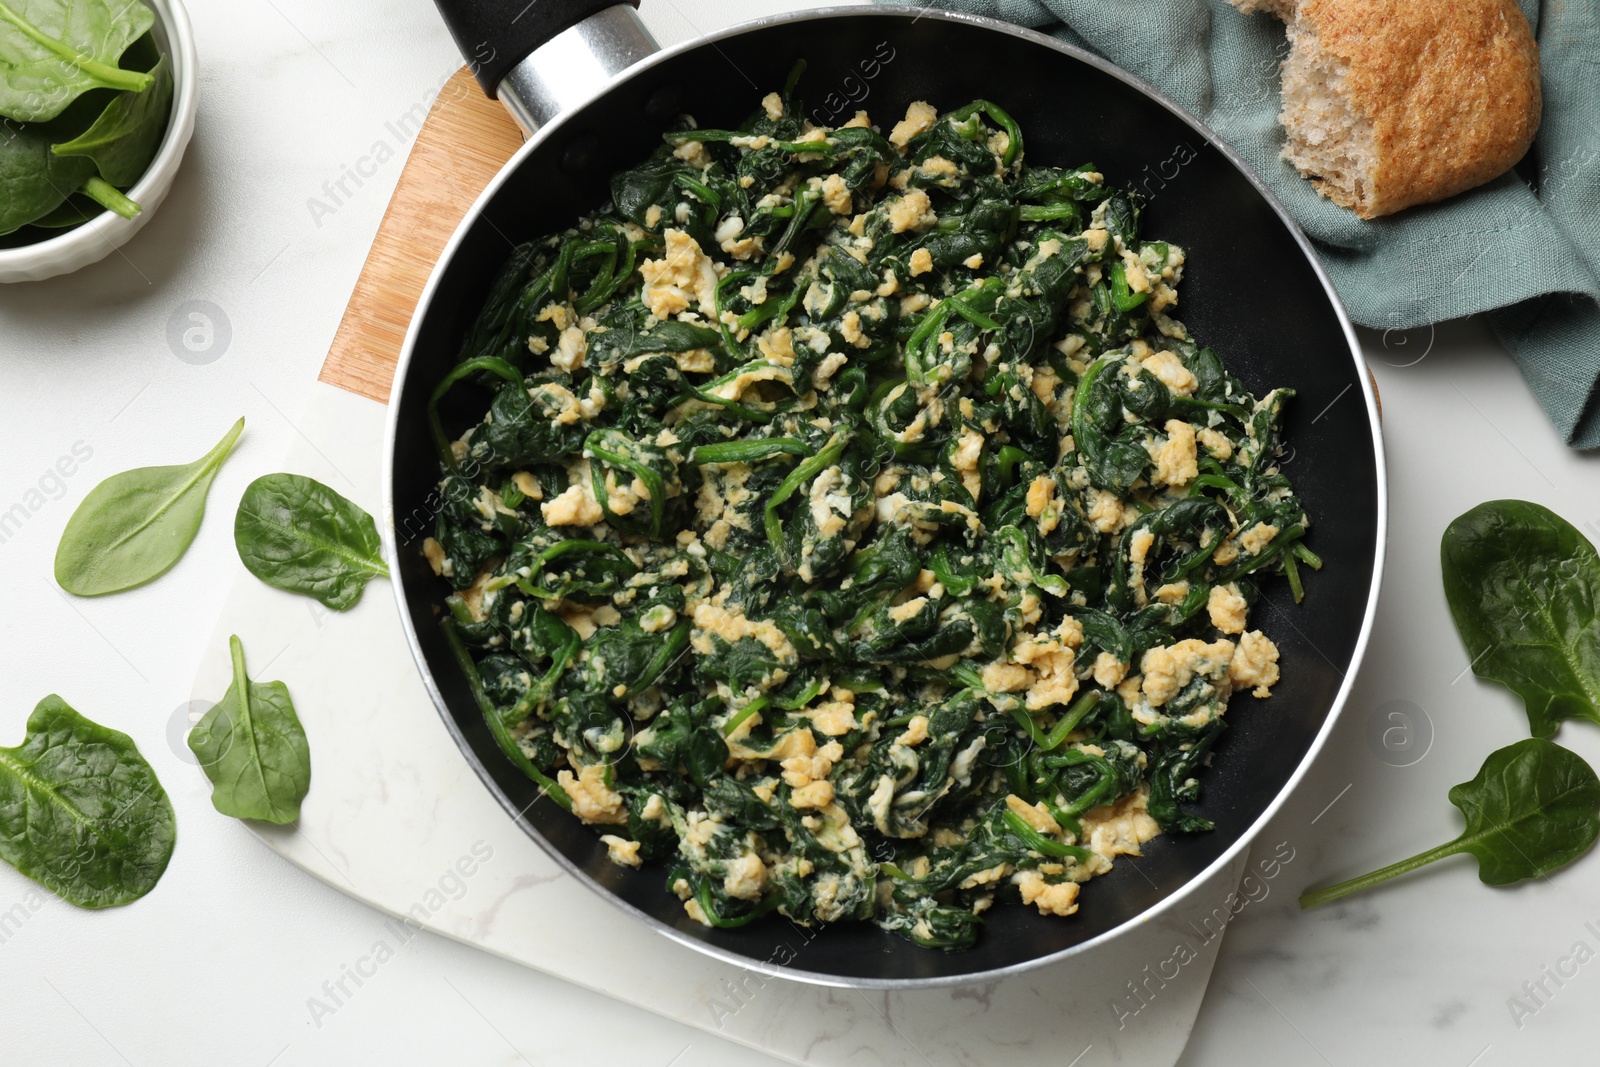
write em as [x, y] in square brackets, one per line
[836, 194]
[822, 377]
[1133, 270]
[1051, 899]
[1002, 677]
[746, 878]
[1257, 537]
[572, 345]
[850, 330]
[1169, 669]
[1255, 663]
[622, 852]
[965, 460]
[916, 732]
[575, 507]
[909, 610]
[985, 877]
[592, 800]
[1227, 608]
[433, 551]
[1108, 513]
[920, 117]
[1173, 374]
[812, 795]
[693, 153]
[802, 770]
[1052, 663]
[913, 211]
[1041, 495]
[835, 718]
[683, 274]
[1109, 670]
[527, 485]
[1119, 829]
[731, 625]
[1216, 444]
[1175, 459]
[1035, 815]
[1172, 592]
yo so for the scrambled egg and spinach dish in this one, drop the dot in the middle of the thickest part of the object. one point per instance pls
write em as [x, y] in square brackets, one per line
[854, 530]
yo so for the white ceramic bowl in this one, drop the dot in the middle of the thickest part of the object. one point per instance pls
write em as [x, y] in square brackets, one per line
[108, 231]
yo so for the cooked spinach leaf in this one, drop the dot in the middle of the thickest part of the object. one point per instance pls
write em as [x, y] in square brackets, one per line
[297, 534]
[496, 718]
[52, 51]
[134, 526]
[81, 811]
[253, 748]
[1533, 807]
[1524, 590]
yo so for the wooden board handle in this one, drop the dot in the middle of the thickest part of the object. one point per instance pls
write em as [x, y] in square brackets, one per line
[463, 144]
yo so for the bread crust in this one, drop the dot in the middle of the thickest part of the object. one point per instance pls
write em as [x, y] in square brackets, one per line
[1451, 88]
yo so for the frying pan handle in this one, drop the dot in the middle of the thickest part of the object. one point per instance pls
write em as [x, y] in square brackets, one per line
[541, 57]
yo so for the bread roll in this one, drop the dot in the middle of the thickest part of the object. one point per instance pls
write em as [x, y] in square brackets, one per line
[1390, 103]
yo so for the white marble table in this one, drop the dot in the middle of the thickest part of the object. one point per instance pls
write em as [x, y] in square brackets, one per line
[218, 965]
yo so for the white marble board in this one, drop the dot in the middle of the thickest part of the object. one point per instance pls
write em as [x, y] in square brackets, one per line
[397, 818]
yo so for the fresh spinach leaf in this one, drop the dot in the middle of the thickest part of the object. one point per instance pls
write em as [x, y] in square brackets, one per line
[53, 173]
[124, 139]
[33, 181]
[1533, 807]
[81, 811]
[52, 51]
[134, 526]
[1524, 589]
[94, 196]
[295, 533]
[254, 750]
[74, 211]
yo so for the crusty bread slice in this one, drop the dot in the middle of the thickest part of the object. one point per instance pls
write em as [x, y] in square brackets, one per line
[1390, 103]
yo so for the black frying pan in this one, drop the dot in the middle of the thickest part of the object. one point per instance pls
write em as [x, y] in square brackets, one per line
[1252, 289]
